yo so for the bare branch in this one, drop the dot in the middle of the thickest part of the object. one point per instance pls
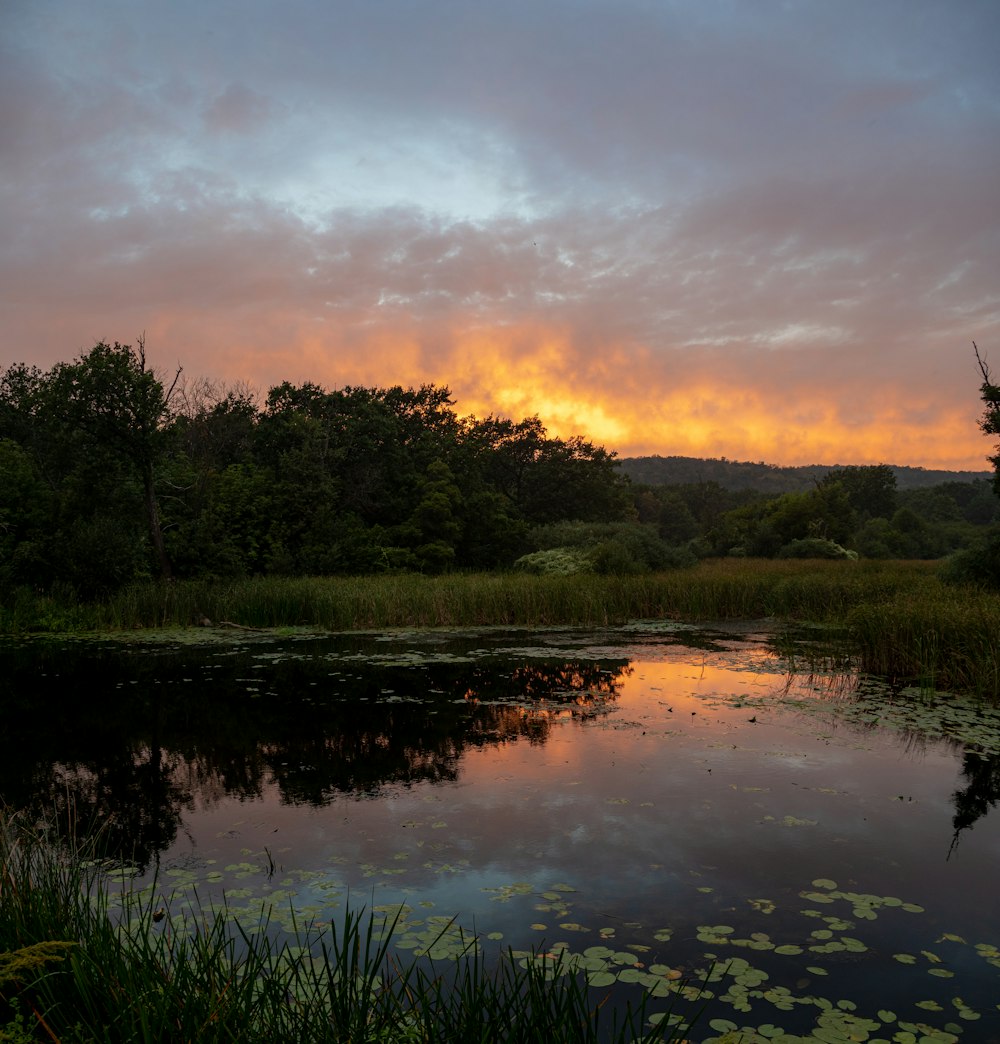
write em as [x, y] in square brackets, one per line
[173, 386]
[983, 368]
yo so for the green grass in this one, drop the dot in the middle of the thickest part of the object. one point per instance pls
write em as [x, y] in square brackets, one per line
[940, 638]
[902, 620]
[714, 590]
[77, 966]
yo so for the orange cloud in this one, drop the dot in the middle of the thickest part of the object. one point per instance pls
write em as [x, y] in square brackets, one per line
[627, 398]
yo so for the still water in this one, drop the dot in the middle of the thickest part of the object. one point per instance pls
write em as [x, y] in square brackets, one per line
[660, 804]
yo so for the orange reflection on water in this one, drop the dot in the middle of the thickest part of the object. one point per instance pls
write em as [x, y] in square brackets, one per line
[679, 694]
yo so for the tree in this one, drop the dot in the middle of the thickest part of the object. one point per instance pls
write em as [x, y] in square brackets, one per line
[980, 564]
[434, 528]
[110, 395]
[871, 489]
[761, 529]
[990, 422]
[547, 479]
[25, 517]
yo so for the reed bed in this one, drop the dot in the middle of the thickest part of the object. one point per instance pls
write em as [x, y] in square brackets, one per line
[77, 965]
[902, 620]
[714, 590]
[948, 641]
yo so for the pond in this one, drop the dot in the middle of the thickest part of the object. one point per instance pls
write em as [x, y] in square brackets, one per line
[661, 805]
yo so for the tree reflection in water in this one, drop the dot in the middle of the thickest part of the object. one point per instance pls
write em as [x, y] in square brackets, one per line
[980, 793]
[129, 740]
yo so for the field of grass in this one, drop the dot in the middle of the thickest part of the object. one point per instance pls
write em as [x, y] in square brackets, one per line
[79, 964]
[901, 619]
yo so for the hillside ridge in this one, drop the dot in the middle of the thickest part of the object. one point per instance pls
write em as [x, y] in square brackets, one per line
[770, 478]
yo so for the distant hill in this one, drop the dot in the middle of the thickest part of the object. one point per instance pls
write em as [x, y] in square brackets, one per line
[768, 478]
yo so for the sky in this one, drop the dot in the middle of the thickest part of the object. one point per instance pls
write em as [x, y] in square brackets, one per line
[765, 230]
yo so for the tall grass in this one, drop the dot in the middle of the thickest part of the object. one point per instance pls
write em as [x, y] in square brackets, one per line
[75, 967]
[902, 619]
[714, 590]
[944, 638]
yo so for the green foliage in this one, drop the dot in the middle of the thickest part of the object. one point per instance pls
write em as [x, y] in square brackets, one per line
[939, 635]
[434, 527]
[975, 501]
[626, 548]
[113, 401]
[912, 537]
[26, 508]
[855, 507]
[545, 479]
[815, 547]
[990, 420]
[675, 521]
[870, 490]
[978, 564]
[895, 607]
[762, 529]
[768, 480]
[108, 476]
[555, 561]
[493, 533]
[932, 505]
[22, 965]
[16, 1031]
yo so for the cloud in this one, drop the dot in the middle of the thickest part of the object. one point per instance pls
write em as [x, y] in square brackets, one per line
[675, 228]
[238, 110]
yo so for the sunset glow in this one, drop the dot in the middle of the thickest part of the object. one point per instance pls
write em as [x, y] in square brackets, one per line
[754, 231]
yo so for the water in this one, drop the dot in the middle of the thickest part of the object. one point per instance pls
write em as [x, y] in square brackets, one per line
[647, 801]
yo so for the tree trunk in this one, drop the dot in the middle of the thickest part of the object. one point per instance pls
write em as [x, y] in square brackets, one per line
[153, 521]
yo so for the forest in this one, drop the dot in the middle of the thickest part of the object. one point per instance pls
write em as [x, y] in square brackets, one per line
[111, 473]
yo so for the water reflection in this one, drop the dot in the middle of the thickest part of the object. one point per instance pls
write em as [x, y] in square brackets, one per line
[133, 740]
[980, 793]
[805, 816]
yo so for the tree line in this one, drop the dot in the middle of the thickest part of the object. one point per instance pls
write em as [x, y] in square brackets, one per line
[110, 473]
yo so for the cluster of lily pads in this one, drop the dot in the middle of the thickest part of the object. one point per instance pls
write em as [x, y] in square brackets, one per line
[872, 703]
[796, 982]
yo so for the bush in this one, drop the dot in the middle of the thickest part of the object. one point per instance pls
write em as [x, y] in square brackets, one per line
[612, 548]
[556, 561]
[979, 564]
[614, 558]
[815, 547]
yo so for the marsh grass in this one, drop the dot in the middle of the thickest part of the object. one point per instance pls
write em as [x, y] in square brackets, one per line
[903, 621]
[947, 639]
[714, 590]
[92, 966]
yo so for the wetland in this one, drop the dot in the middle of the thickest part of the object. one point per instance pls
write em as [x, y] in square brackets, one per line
[716, 817]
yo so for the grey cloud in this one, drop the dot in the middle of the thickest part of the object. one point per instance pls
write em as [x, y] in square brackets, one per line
[238, 110]
[709, 190]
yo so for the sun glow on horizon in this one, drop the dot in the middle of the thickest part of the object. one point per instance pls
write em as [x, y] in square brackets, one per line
[624, 398]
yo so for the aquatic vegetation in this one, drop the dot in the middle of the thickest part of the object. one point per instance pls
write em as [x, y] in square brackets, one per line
[900, 618]
[134, 974]
[944, 638]
[802, 970]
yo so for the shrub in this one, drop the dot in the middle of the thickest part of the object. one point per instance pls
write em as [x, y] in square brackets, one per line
[556, 561]
[815, 547]
[614, 558]
[979, 564]
[613, 548]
